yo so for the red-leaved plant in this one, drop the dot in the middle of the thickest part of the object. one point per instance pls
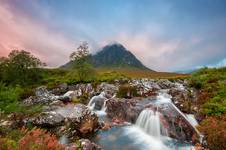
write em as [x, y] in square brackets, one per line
[38, 139]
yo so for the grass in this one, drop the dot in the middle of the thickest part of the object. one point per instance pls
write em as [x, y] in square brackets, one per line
[212, 84]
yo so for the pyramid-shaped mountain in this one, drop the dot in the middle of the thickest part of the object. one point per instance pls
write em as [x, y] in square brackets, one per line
[115, 56]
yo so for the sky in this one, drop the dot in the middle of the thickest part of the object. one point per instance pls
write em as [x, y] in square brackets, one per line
[165, 35]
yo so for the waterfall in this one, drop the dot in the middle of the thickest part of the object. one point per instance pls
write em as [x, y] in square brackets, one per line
[91, 103]
[149, 121]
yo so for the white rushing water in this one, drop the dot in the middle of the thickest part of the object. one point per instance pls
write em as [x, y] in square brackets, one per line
[91, 104]
[149, 121]
[144, 140]
[191, 119]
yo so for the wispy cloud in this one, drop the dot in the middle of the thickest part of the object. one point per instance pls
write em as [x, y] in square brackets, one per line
[22, 32]
[164, 35]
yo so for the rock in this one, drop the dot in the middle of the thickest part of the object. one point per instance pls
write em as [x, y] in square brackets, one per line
[80, 89]
[145, 87]
[60, 89]
[42, 96]
[165, 84]
[64, 99]
[108, 89]
[125, 109]
[48, 119]
[181, 99]
[83, 121]
[5, 123]
[88, 145]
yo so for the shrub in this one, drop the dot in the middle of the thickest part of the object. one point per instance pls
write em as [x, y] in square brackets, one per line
[7, 144]
[127, 91]
[214, 132]
[38, 139]
[9, 97]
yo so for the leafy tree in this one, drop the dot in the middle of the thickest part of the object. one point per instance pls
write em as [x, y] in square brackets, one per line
[81, 61]
[20, 67]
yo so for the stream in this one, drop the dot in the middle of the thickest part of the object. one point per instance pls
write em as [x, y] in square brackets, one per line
[147, 133]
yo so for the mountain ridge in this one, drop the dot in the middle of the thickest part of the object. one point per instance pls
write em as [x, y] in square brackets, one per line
[114, 56]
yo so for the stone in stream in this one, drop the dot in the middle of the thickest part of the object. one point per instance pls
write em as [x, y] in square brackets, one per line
[82, 120]
[125, 109]
[78, 119]
[48, 119]
[42, 96]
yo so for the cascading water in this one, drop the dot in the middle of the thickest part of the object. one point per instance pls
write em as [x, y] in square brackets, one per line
[93, 101]
[150, 130]
[149, 121]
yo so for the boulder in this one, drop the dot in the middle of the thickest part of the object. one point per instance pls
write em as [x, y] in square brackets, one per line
[42, 96]
[125, 109]
[145, 87]
[82, 120]
[48, 119]
[165, 84]
[109, 89]
[60, 89]
[88, 145]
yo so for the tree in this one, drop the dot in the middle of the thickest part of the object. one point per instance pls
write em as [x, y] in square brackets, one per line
[20, 67]
[81, 61]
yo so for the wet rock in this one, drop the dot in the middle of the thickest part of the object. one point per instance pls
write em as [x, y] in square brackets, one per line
[84, 121]
[108, 89]
[80, 89]
[42, 96]
[181, 99]
[125, 109]
[88, 145]
[165, 84]
[60, 89]
[145, 87]
[64, 99]
[48, 119]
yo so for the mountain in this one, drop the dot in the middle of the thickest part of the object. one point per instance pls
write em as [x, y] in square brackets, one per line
[115, 56]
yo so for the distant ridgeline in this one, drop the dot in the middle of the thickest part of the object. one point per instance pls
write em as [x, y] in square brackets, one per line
[114, 56]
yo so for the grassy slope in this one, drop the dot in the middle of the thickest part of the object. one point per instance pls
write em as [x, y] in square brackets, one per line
[211, 101]
[141, 73]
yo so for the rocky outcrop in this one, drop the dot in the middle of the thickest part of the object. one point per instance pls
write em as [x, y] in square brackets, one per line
[88, 145]
[109, 89]
[78, 119]
[48, 119]
[42, 96]
[125, 109]
[82, 120]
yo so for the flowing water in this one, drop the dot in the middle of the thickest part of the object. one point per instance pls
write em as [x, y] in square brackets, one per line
[149, 121]
[146, 134]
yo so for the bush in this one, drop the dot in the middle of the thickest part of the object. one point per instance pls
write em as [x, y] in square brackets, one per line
[7, 144]
[9, 97]
[10, 100]
[38, 139]
[214, 132]
[127, 91]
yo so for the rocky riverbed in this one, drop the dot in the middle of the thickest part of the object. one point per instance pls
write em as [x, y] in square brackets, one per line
[111, 122]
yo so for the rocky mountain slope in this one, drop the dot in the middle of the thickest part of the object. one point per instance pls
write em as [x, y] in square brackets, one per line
[114, 56]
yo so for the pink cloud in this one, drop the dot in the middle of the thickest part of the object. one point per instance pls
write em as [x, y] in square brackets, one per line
[20, 32]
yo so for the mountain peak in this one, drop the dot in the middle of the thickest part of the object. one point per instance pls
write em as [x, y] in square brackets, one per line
[116, 55]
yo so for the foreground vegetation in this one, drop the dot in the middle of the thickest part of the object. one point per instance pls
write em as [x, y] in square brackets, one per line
[211, 101]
